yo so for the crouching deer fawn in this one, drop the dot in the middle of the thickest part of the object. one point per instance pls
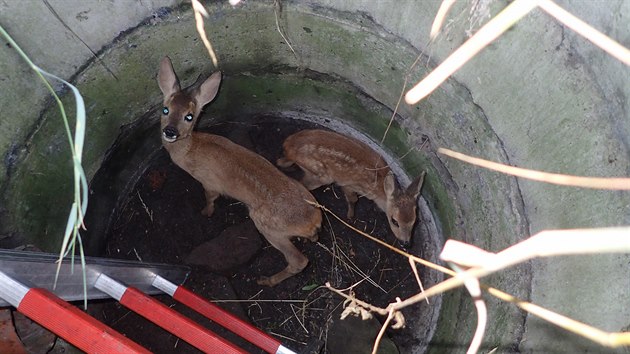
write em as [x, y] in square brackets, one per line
[277, 204]
[327, 157]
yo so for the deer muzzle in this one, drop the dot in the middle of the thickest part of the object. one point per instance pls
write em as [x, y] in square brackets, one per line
[405, 244]
[170, 133]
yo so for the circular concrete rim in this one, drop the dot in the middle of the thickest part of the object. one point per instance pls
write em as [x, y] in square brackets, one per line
[451, 202]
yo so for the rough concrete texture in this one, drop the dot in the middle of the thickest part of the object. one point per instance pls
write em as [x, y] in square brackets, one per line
[539, 97]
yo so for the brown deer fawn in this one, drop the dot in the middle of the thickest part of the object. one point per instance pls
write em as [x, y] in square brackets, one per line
[277, 204]
[327, 157]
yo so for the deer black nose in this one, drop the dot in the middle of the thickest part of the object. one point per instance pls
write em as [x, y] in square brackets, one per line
[405, 244]
[170, 132]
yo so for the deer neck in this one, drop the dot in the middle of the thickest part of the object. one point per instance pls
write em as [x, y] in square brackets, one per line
[378, 192]
[179, 149]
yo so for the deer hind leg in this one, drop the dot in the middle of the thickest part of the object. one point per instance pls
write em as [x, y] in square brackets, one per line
[284, 162]
[210, 198]
[295, 259]
[311, 181]
[351, 198]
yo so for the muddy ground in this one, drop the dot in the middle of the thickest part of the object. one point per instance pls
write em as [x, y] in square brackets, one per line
[160, 221]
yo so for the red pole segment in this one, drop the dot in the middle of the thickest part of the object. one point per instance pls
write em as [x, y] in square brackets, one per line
[227, 320]
[74, 325]
[181, 326]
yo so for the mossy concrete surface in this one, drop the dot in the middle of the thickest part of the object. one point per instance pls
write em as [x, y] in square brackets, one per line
[539, 97]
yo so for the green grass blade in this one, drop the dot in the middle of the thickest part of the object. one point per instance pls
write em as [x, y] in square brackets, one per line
[79, 207]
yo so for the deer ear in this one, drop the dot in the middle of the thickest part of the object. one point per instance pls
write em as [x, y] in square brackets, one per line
[208, 90]
[415, 186]
[389, 185]
[167, 79]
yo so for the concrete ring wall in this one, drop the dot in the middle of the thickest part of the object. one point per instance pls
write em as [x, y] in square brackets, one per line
[539, 97]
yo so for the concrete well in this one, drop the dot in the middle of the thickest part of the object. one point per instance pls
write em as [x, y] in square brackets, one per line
[540, 97]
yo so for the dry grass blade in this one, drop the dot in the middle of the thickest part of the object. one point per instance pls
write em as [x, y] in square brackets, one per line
[394, 249]
[612, 340]
[384, 244]
[608, 183]
[474, 289]
[587, 31]
[276, 9]
[338, 255]
[412, 264]
[402, 94]
[544, 244]
[439, 18]
[390, 316]
[489, 32]
[482, 320]
[497, 26]
[280, 301]
[298, 318]
[200, 13]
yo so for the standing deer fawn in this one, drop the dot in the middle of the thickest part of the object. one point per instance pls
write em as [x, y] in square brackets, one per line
[327, 157]
[277, 204]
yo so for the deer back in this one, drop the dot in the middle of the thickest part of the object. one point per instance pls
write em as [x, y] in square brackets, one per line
[276, 202]
[232, 170]
[335, 158]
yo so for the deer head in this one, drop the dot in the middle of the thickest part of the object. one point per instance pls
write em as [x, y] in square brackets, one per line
[182, 107]
[401, 206]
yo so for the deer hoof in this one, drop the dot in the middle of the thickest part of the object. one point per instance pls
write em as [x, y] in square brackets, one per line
[207, 211]
[265, 281]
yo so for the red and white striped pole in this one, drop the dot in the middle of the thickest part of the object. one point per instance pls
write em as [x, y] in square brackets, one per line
[222, 317]
[163, 316]
[65, 320]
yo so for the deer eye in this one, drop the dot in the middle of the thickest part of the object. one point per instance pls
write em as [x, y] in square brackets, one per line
[165, 111]
[188, 117]
[394, 222]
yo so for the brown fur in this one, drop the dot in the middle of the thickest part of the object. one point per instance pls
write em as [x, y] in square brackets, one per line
[328, 157]
[276, 203]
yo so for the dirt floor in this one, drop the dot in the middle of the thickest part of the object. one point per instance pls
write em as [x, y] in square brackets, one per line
[160, 221]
